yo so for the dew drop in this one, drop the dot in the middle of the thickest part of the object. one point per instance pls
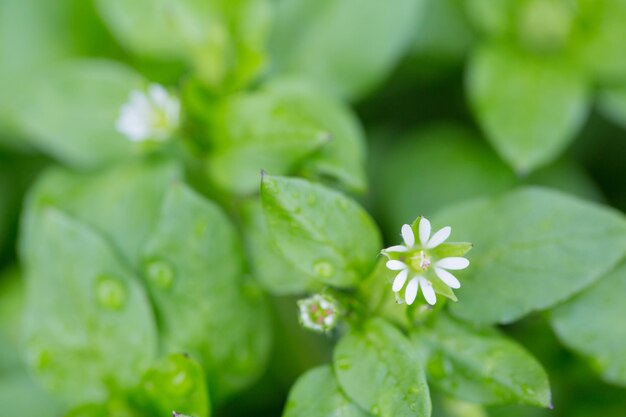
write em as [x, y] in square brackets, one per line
[312, 199]
[413, 407]
[110, 293]
[528, 390]
[160, 273]
[414, 390]
[344, 363]
[375, 410]
[323, 269]
[181, 383]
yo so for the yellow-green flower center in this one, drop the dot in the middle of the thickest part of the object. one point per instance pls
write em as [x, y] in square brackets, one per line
[421, 261]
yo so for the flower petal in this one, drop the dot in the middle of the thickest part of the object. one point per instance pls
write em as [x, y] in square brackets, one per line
[399, 281]
[411, 291]
[424, 230]
[439, 237]
[447, 278]
[396, 248]
[396, 265]
[454, 263]
[427, 290]
[408, 236]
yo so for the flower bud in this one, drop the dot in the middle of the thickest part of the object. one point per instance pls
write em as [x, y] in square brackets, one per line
[319, 312]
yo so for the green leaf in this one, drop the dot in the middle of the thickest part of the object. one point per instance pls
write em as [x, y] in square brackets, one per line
[11, 312]
[122, 202]
[69, 111]
[491, 18]
[276, 274]
[175, 383]
[21, 396]
[591, 324]
[36, 33]
[528, 246]
[316, 394]
[89, 326]
[443, 31]
[323, 41]
[463, 166]
[480, 365]
[612, 103]
[323, 233]
[601, 35]
[535, 108]
[222, 40]
[377, 367]
[194, 270]
[276, 129]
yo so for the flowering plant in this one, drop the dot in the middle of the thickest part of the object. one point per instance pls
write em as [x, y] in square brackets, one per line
[222, 208]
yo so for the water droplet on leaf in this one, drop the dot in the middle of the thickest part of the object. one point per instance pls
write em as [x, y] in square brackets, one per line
[323, 269]
[110, 293]
[344, 363]
[160, 273]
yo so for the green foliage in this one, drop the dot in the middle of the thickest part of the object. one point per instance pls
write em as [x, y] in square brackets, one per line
[122, 203]
[316, 394]
[69, 111]
[530, 242]
[377, 368]
[323, 233]
[275, 273]
[187, 166]
[535, 108]
[193, 266]
[221, 40]
[92, 307]
[481, 365]
[176, 383]
[324, 41]
[590, 324]
[284, 128]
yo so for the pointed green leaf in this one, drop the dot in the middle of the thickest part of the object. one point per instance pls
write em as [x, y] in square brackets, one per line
[480, 365]
[528, 247]
[194, 269]
[378, 368]
[269, 266]
[279, 128]
[316, 394]
[323, 233]
[535, 108]
[89, 326]
[592, 324]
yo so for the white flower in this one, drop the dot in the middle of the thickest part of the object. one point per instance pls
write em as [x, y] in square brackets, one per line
[319, 312]
[152, 115]
[416, 261]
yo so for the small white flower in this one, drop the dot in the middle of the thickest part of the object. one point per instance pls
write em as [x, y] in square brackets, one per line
[154, 114]
[416, 261]
[319, 312]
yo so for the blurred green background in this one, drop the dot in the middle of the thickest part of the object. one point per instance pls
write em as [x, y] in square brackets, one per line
[456, 98]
